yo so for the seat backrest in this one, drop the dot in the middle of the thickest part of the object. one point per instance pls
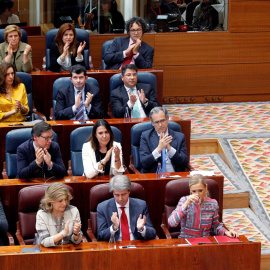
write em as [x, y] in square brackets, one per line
[189, 12]
[28, 204]
[136, 132]
[26, 79]
[143, 77]
[77, 139]
[175, 190]
[14, 139]
[65, 82]
[82, 35]
[23, 39]
[105, 46]
[100, 193]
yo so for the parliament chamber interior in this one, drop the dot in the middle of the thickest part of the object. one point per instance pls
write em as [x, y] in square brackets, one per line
[214, 84]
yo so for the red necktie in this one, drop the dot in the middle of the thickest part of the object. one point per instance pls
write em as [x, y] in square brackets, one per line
[124, 225]
[128, 58]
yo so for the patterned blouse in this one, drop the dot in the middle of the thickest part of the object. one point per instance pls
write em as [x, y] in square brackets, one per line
[196, 221]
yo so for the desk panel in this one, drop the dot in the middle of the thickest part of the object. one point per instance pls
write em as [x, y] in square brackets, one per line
[154, 254]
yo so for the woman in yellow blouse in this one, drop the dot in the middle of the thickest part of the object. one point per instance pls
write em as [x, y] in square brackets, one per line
[13, 96]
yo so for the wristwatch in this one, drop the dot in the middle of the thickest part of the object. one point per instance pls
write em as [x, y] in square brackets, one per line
[101, 163]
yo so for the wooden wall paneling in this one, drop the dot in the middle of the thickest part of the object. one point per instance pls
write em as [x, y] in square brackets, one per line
[246, 82]
[249, 16]
[38, 45]
[211, 48]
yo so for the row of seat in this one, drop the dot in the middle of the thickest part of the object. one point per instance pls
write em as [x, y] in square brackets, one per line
[29, 199]
[77, 138]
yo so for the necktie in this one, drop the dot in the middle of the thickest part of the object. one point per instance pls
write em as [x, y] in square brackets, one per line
[128, 58]
[163, 158]
[124, 225]
[135, 111]
[80, 112]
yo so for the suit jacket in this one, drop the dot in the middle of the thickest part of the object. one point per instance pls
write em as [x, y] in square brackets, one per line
[20, 66]
[54, 54]
[149, 142]
[136, 207]
[114, 56]
[119, 99]
[27, 166]
[65, 99]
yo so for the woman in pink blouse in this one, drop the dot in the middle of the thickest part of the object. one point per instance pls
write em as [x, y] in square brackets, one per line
[197, 213]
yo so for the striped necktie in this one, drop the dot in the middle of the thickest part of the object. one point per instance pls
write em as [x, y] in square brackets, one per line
[80, 111]
[135, 113]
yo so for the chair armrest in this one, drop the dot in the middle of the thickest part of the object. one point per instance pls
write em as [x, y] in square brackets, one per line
[10, 239]
[164, 227]
[51, 114]
[69, 171]
[38, 113]
[110, 111]
[4, 172]
[131, 165]
[18, 234]
[90, 232]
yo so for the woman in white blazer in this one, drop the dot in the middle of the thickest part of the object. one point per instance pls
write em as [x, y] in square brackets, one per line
[100, 153]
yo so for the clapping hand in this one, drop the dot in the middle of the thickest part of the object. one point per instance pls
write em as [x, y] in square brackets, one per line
[142, 96]
[115, 221]
[76, 227]
[81, 48]
[88, 99]
[132, 97]
[27, 49]
[141, 222]
[137, 46]
[164, 142]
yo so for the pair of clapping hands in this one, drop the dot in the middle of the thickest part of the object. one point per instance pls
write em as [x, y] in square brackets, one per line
[140, 222]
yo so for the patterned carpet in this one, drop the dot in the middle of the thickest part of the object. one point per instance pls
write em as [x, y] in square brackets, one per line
[244, 132]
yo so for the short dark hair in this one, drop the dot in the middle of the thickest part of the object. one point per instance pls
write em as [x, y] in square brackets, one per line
[138, 21]
[129, 66]
[39, 128]
[93, 139]
[78, 69]
[6, 4]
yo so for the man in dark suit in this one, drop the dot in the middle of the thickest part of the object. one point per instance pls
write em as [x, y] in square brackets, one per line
[139, 98]
[78, 101]
[162, 145]
[40, 156]
[131, 49]
[124, 217]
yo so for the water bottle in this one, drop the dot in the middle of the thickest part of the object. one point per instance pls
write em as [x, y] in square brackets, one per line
[36, 244]
[159, 171]
[44, 63]
[127, 116]
[91, 66]
[112, 244]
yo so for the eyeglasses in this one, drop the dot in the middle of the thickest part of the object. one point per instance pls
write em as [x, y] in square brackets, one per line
[135, 30]
[160, 122]
[47, 138]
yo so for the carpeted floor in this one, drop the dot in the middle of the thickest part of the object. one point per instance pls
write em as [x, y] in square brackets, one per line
[244, 132]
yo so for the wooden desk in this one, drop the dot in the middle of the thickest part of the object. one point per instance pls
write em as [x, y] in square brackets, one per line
[64, 128]
[154, 195]
[154, 254]
[43, 87]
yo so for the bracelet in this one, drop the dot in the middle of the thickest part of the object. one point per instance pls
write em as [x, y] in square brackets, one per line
[117, 160]
[76, 233]
[101, 163]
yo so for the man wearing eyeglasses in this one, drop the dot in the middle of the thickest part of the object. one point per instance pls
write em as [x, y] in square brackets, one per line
[131, 49]
[162, 145]
[40, 157]
[139, 98]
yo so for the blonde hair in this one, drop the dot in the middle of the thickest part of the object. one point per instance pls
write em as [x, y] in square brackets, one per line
[11, 28]
[198, 179]
[54, 193]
